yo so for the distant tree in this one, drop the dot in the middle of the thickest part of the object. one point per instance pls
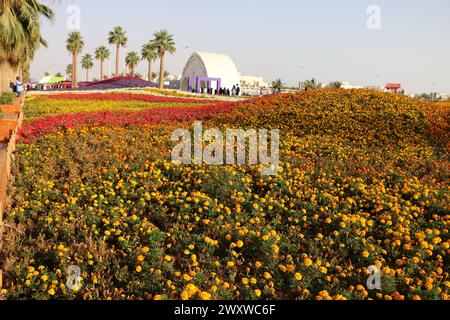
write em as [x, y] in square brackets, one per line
[150, 54]
[311, 84]
[59, 75]
[119, 38]
[46, 74]
[75, 44]
[154, 76]
[163, 42]
[87, 62]
[102, 53]
[278, 85]
[335, 85]
[132, 61]
[69, 70]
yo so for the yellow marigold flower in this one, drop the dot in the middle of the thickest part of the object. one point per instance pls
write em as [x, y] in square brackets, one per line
[258, 293]
[245, 281]
[258, 265]
[267, 275]
[230, 264]
[51, 292]
[168, 258]
[365, 254]
[187, 277]
[323, 270]
[138, 269]
[298, 276]
[308, 262]
[205, 296]
[44, 278]
[239, 244]
[185, 295]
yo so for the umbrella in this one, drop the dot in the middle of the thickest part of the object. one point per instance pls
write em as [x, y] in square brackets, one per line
[51, 80]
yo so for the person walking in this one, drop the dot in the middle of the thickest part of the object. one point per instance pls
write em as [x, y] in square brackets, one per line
[19, 87]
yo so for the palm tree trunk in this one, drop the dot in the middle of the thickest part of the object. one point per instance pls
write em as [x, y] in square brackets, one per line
[150, 70]
[161, 71]
[6, 75]
[117, 60]
[87, 75]
[74, 70]
[101, 70]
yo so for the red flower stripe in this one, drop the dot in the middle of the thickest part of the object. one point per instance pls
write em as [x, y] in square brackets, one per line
[42, 127]
[124, 97]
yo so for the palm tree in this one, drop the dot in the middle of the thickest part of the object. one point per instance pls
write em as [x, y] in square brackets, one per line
[102, 53]
[278, 85]
[75, 44]
[131, 61]
[150, 54]
[335, 85]
[311, 84]
[119, 38]
[69, 70]
[20, 36]
[87, 63]
[163, 42]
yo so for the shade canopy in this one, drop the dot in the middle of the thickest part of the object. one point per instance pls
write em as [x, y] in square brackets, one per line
[51, 80]
[210, 65]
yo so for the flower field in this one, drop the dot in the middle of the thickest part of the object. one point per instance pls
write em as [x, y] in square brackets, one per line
[41, 106]
[364, 180]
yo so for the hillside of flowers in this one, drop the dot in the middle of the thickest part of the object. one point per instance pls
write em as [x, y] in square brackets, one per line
[364, 180]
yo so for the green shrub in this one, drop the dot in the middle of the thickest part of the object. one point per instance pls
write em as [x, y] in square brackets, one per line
[7, 98]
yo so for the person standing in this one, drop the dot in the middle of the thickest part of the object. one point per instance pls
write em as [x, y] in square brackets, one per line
[233, 91]
[19, 87]
[238, 90]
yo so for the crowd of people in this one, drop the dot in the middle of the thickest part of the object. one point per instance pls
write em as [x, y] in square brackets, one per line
[234, 92]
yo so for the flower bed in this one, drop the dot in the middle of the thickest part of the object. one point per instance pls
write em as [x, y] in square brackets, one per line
[108, 199]
[45, 106]
[41, 127]
[124, 97]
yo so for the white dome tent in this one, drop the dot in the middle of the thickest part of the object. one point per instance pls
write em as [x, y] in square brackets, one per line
[203, 69]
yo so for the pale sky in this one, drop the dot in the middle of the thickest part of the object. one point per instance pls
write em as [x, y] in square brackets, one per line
[289, 39]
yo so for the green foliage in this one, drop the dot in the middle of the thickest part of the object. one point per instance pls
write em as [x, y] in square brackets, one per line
[7, 98]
